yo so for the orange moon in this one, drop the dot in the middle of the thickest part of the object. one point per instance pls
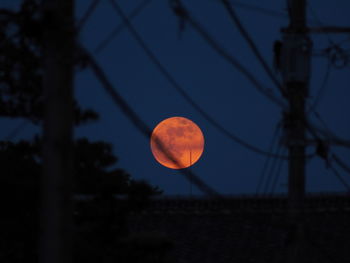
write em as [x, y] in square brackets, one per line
[182, 142]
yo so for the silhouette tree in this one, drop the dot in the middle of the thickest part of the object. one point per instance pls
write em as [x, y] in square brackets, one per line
[21, 65]
[102, 219]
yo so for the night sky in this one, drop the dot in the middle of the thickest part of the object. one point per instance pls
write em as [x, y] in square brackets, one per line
[224, 93]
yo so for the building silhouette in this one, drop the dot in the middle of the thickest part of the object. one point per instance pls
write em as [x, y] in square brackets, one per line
[246, 228]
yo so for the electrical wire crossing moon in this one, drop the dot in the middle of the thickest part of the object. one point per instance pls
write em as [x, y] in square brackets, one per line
[177, 143]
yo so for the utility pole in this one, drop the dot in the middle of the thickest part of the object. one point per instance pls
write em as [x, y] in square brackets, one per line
[295, 66]
[296, 55]
[56, 214]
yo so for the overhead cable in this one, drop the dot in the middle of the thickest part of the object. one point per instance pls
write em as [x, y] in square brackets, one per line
[319, 22]
[183, 13]
[262, 10]
[267, 161]
[87, 14]
[181, 91]
[252, 45]
[341, 42]
[272, 169]
[341, 163]
[339, 177]
[321, 90]
[330, 136]
[140, 124]
[135, 12]
[277, 175]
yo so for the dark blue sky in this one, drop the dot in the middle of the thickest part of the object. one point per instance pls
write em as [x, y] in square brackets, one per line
[212, 82]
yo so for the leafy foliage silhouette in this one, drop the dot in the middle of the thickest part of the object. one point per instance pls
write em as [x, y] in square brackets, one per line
[110, 193]
[21, 65]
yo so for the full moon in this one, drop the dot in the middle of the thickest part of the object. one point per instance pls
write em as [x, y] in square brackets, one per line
[182, 142]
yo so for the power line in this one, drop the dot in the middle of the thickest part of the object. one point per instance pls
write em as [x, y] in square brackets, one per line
[318, 116]
[341, 42]
[267, 161]
[180, 90]
[340, 178]
[326, 132]
[262, 10]
[183, 14]
[252, 45]
[255, 50]
[140, 124]
[322, 88]
[190, 100]
[135, 12]
[272, 169]
[328, 70]
[312, 127]
[187, 18]
[341, 163]
[87, 15]
[319, 22]
[277, 175]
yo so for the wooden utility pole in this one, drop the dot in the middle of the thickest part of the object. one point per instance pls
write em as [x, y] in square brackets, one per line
[56, 214]
[295, 69]
[296, 52]
[295, 66]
